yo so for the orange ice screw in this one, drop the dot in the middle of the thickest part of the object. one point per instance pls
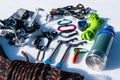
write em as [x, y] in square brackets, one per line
[75, 56]
[77, 52]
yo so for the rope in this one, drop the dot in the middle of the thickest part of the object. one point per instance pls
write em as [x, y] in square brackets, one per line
[25, 70]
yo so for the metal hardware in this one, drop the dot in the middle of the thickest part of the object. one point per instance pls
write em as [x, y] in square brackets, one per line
[78, 11]
[67, 30]
[49, 60]
[68, 34]
[19, 25]
[59, 64]
[50, 37]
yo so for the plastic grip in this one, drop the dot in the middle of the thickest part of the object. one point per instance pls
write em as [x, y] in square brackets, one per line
[59, 65]
[48, 61]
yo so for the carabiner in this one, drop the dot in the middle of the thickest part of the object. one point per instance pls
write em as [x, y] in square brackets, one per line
[68, 30]
[64, 22]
